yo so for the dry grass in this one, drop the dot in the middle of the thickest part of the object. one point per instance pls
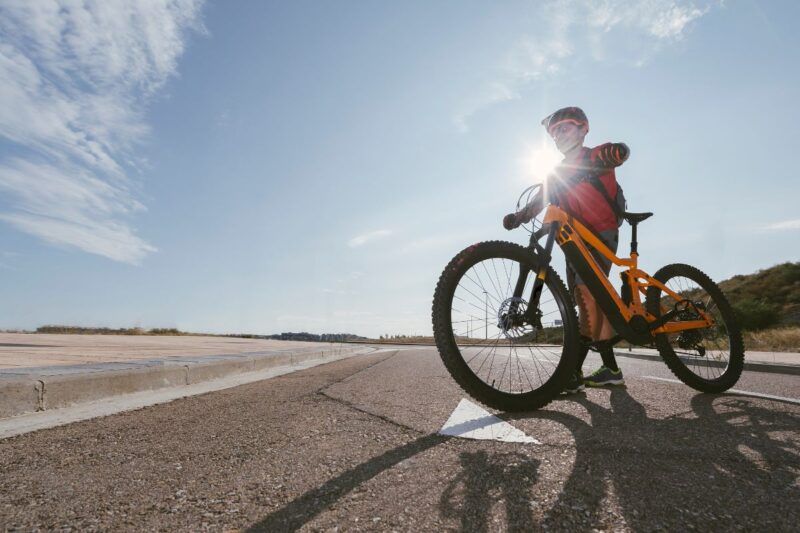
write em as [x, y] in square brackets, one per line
[785, 339]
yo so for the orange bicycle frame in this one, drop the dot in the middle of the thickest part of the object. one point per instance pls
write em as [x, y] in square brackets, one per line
[631, 320]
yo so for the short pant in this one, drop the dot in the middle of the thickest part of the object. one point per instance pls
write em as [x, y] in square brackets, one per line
[611, 239]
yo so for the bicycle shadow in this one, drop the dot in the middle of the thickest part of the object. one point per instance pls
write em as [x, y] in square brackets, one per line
[301, 510]
[728, 464]
[489, 479]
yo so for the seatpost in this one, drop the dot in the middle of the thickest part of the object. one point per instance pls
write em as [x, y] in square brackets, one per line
[634, 244]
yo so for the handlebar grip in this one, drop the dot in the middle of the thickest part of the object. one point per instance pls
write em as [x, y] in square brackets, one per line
[510, 221]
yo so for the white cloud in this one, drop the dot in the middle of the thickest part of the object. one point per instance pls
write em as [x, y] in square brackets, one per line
[571, 30]
[785, 225]
[69, 205]
[335, 291]
[361, 240]
[74, 81]
[435, 242]
[672, 22]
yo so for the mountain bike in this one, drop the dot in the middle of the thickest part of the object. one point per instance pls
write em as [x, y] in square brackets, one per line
[507, 330]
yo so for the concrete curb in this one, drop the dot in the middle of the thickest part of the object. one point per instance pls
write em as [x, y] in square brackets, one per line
[28, 390]
[19, 396]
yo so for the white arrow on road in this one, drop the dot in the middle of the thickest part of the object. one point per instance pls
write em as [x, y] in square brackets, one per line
[470, 421]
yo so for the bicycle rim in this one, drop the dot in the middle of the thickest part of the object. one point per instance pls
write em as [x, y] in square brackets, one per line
[500, 349]
[709, 359]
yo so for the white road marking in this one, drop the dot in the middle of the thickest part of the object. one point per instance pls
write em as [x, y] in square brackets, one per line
[470, 421]
[736, 391]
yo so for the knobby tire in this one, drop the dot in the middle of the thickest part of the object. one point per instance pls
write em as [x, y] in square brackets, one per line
[451, 354]
[736, 345]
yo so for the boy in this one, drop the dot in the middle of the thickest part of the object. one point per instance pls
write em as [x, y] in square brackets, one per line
[568, 128]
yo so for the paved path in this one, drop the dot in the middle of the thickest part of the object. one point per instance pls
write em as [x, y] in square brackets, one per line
[354, 445]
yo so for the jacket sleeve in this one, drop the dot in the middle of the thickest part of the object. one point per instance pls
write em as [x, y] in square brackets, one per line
[609, 155]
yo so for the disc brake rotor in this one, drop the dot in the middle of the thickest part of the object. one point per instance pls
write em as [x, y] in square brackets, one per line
[512, 321]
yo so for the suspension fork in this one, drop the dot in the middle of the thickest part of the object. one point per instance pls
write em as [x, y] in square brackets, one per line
[544, 255]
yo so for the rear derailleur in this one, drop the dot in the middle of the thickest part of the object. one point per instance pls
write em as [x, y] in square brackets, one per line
[690, 339]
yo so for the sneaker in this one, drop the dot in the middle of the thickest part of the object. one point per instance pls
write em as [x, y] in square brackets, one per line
[604, 376]
[575, 384]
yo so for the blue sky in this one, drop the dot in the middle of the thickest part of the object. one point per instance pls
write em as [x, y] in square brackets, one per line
[264, 166]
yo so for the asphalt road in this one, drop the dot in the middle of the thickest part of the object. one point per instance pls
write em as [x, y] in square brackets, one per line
[353, 445]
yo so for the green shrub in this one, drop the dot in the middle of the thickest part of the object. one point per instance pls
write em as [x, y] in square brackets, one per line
[755, 315]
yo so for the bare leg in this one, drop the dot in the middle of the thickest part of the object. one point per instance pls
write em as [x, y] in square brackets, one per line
[606, 330]
[593, 323]
[585, 303]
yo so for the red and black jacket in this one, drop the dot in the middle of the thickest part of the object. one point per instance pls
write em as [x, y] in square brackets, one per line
[579, 197]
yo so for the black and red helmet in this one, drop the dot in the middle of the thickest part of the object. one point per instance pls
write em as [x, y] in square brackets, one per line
[566, 114]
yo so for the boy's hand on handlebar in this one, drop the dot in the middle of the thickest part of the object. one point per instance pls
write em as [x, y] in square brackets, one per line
[510, 221]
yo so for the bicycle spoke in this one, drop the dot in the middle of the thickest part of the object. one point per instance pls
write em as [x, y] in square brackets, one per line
[508, 277]
[489, 277]
[483, 289]
[710, 356]
[522, 367]
[497, 277]
[476, 355]
[516, 356]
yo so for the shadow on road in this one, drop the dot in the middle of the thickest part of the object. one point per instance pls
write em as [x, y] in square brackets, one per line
[726, 464]
[486, 479]
[310, 504]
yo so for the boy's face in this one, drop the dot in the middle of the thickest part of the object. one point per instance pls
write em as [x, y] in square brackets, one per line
[568, 135]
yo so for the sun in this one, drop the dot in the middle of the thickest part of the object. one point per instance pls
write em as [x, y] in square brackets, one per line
[541, 159]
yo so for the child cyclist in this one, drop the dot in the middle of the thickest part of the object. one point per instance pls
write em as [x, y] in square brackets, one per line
[583, 199]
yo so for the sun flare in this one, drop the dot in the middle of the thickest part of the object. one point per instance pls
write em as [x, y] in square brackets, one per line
[541, 159]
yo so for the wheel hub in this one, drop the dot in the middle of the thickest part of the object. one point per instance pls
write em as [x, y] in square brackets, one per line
[512, 320]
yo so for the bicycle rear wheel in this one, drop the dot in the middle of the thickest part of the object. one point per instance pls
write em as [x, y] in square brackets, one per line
[496, 354]
[709, 359]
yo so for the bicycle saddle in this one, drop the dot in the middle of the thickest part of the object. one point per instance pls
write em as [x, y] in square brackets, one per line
[635, 218]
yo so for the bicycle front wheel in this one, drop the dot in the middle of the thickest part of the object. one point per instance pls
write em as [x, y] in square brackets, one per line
[709, 359]
[497, 351]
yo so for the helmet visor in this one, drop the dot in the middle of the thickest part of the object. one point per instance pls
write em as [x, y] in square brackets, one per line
[551, 127]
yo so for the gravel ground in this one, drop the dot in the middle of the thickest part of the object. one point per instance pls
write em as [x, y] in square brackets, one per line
[352, 446]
